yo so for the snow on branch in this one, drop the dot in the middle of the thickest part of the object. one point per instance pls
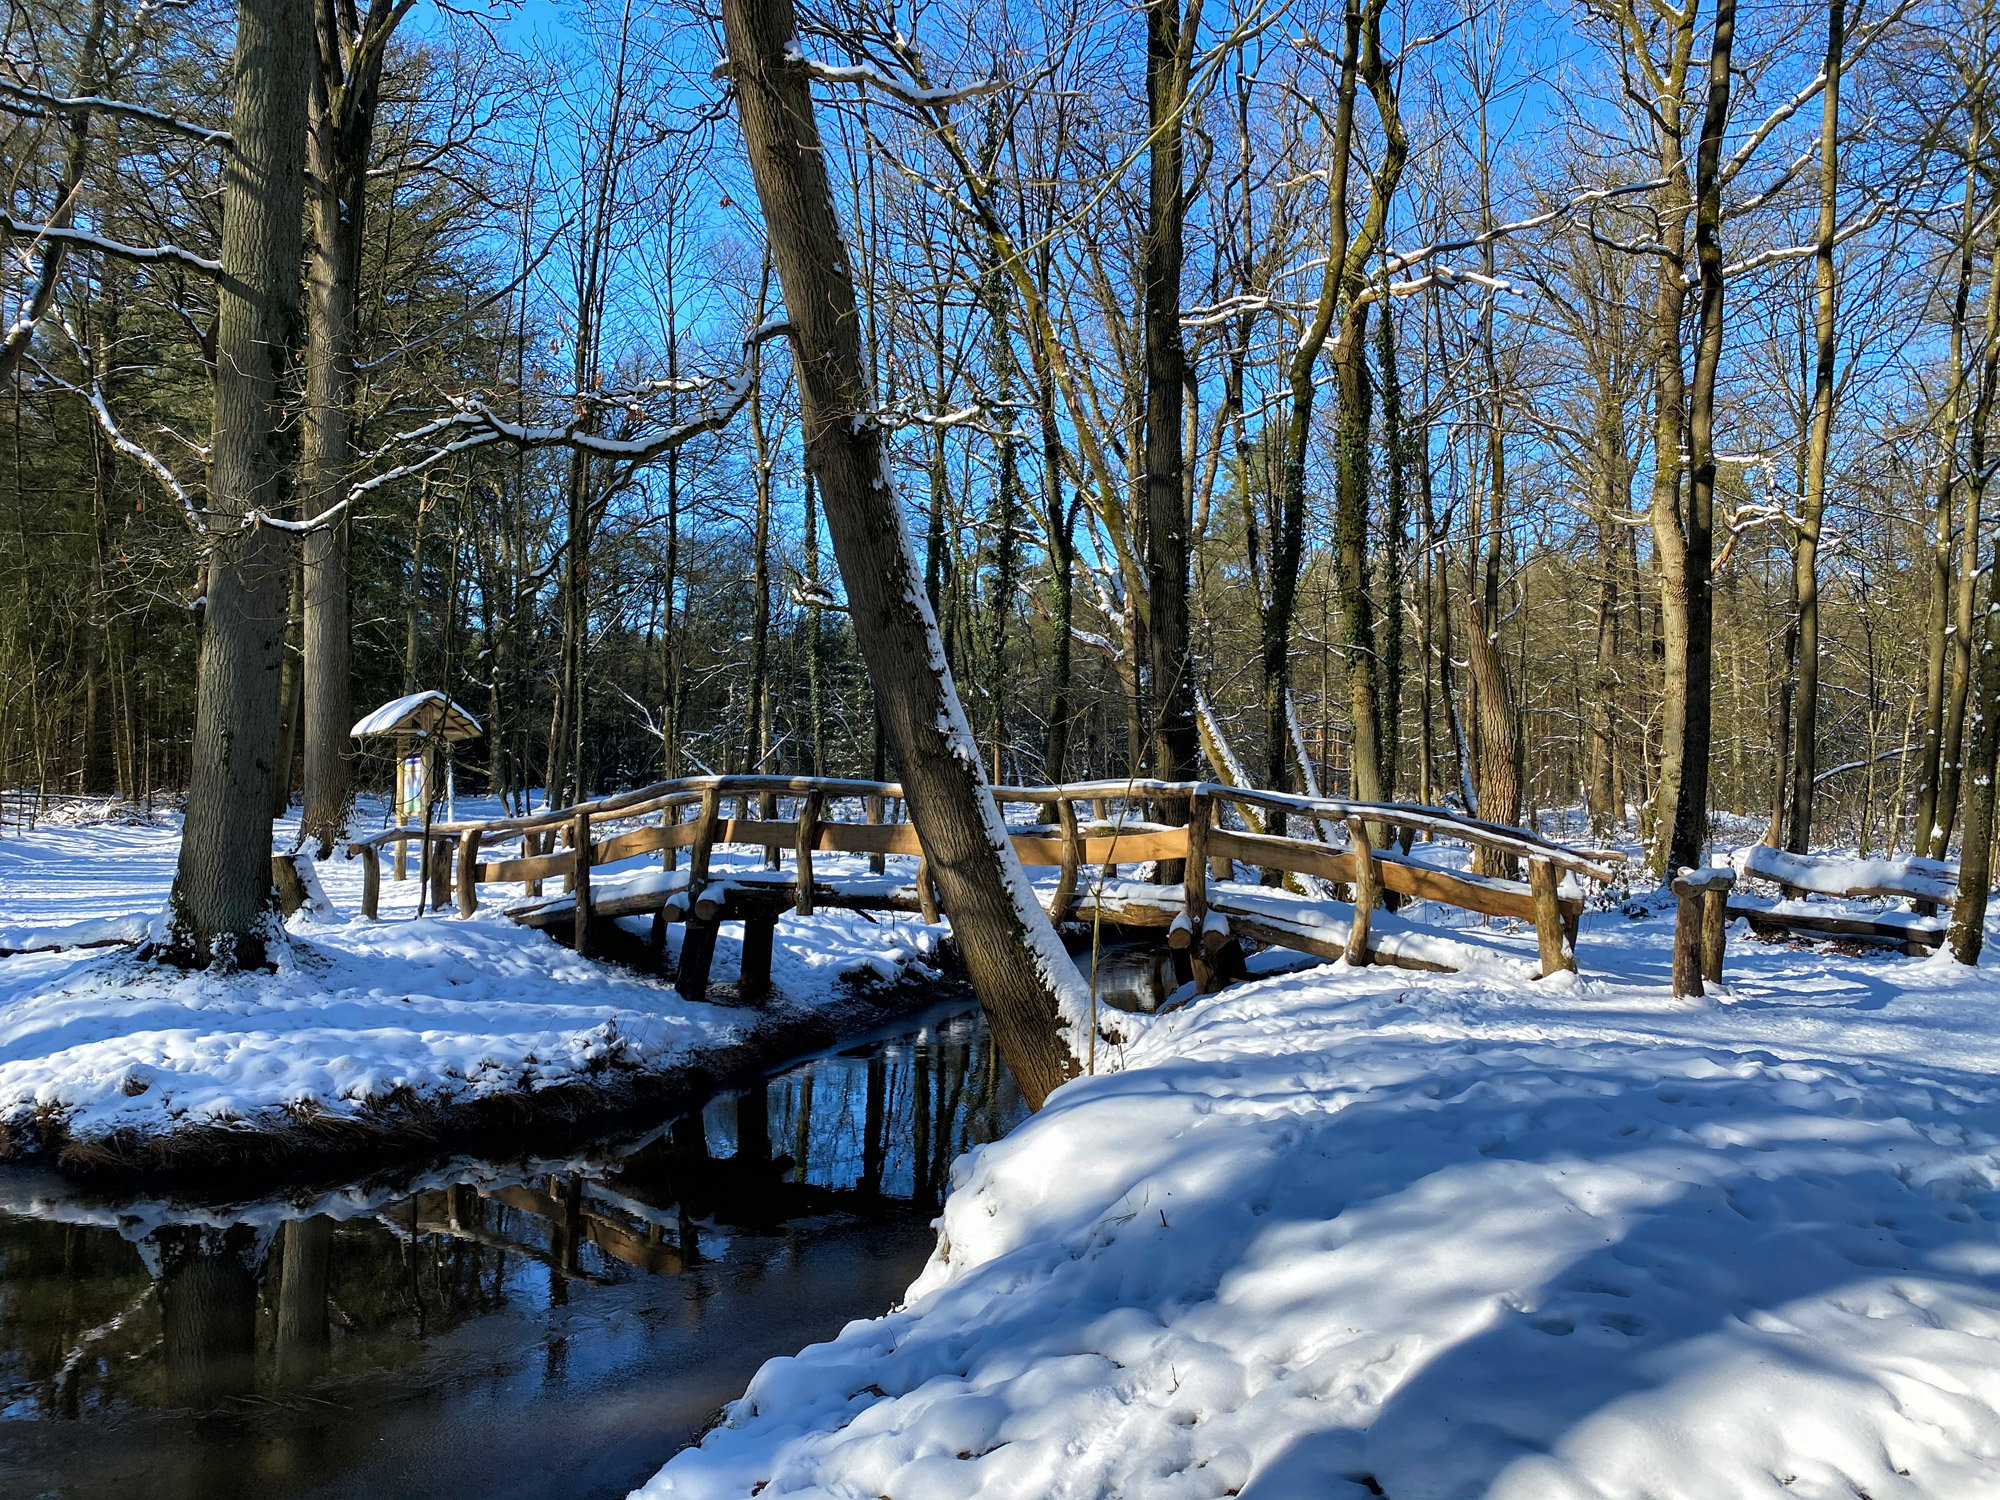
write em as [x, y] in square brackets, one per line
[46, 103]
[83, 240]
[867, 75]
[889, 417]
[1764, 258]
[1858, 43]
[1443, 276]
[1399, 261]
[93, 397]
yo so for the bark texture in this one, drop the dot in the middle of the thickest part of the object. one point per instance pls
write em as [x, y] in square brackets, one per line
[1690, 828]
[222, 890]
[1170, 39]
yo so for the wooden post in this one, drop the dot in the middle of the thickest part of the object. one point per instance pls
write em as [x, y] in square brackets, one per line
[698, 935]
[579, 840]
[1702, 909]
[760, 926]
[1100, 812]
[1072, 861]
[1365, 886]
[437, 854]
[1687, 941]
[697, 954]
[670, 856]
[873, 804]
[1194, 886]
[1542, 881]
[808, 836]
[371, 881]
[402, 845]
[1714, 931]
[926, 891]
[704, 843]
[767, 812]
[468, 872]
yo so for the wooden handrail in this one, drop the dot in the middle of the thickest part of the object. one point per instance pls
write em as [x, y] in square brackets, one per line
[1062, 840]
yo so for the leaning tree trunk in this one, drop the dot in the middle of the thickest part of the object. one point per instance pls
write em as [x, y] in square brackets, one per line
[1033, 997]
[1805, 565]
[221, 902]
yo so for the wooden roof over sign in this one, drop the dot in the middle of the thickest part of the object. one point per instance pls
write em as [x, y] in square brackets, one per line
[420, 715]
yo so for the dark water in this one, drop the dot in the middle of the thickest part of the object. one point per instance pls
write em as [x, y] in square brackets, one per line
[500, 1330]
[1133, 976]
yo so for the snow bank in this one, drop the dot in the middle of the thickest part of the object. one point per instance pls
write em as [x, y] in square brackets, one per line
[1435, 1237]
[1837, 875]
[435, 1011]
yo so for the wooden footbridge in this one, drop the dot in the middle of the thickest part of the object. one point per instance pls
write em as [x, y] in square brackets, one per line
[1242, 882]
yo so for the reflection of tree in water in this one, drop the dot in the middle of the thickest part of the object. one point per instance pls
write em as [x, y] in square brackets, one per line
[60, 1284]
[890, 1119]
[230, 1313]
[208, 1311]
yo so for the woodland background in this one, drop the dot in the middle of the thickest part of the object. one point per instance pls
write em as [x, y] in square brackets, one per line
[556, 231]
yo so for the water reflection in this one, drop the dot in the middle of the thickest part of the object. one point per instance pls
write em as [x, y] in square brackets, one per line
[535, 1329]
[1137, 976]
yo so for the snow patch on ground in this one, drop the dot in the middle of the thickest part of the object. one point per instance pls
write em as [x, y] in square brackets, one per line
[1356, 1232]
[436, 1008]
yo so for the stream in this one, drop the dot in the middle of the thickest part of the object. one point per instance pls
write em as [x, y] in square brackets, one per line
[505, 1330]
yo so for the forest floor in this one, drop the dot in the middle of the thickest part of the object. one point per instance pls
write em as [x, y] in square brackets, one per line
[1334, 1232]
[369, 1033]
[1347, 1233]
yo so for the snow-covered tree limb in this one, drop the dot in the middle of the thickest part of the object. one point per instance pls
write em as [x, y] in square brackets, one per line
[83, 240]
[47, 103]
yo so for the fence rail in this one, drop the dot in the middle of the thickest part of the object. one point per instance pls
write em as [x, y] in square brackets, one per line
[1355, 846]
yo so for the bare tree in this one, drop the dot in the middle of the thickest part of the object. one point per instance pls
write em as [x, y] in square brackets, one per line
[1026, 983]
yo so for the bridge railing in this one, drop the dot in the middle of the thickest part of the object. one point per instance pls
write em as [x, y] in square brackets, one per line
[1123, 822]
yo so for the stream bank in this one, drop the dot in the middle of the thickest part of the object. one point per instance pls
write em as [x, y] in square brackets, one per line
[553, 1327]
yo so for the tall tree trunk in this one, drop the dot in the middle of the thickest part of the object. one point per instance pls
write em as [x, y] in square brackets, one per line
[1170, 41]
[1059, 519]
[290, 708]
[1975, 851]
[1395, 518]
[340, 140]
[1670, 563]
[1690, 830]
[1496, 719]
[1350, 547]
[1805, 561]
[1605, 814]
[1931, 832]
[1349, 251]
[815, 643]
[758, 748]
[1036, 1003]
[221, 902]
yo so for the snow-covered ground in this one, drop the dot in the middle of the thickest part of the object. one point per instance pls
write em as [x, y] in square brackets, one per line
[433, 1010]
[1364, 1232]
